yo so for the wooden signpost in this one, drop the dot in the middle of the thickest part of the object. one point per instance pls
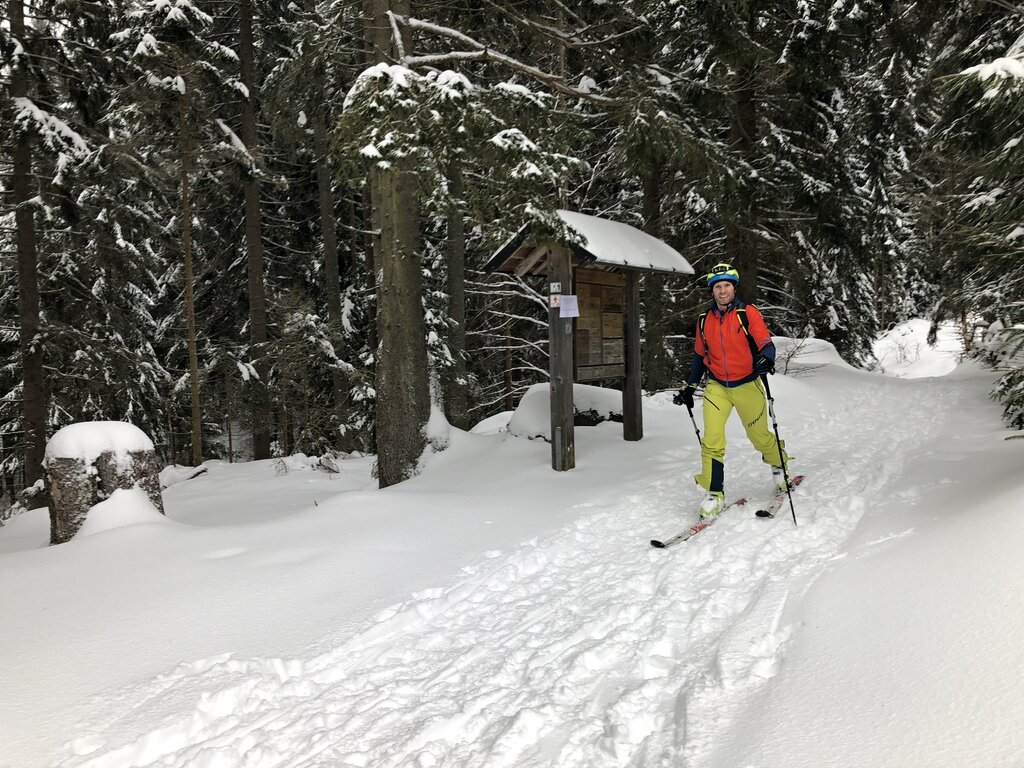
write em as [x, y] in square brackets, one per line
[593, 314]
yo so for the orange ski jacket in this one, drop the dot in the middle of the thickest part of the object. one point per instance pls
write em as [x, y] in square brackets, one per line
[723, 349]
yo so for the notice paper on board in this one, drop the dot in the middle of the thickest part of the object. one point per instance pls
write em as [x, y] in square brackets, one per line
[569, 307]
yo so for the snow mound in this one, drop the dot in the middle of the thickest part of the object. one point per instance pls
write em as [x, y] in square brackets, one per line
[178, 473]
[806, 352]
[533, 416]
[124, 507]
[492, 425]
[299, 462]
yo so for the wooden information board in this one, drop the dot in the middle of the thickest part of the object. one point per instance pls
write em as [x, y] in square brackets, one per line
[600, 328]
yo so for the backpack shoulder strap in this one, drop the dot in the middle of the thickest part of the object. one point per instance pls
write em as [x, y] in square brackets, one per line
[741, 315]
[701, 318]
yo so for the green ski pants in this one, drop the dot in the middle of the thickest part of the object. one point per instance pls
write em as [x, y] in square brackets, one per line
[749, 402]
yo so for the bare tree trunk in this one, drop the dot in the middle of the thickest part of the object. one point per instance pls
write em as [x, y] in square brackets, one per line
[332, 265]
[228, 417]
[456, 400]
[190, 308]
[254, 243]
[33, 394]
[303, 445]
[328, 224]
[284, 441]
[170, 431]
[507, 367]
[402, 383]
[740, 247]
[655, 306]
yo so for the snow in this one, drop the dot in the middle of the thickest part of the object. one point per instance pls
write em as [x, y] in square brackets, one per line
[55, 131]
[397, 78]
[492, 612]
[904, 351]
[236, 142]
[613, 242]
[532, 419]
[513, 138]
[124, 507]
[87, 440]
[608, 242]
[1002, 68]
[148, 46]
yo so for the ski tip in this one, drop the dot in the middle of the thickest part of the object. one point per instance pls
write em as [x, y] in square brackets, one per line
[657, 544]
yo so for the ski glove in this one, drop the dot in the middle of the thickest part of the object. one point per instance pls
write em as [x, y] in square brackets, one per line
[763, 365]
[684, 397]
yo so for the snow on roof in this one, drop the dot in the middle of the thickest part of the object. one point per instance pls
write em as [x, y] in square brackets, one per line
[603, 241]
[612, 242]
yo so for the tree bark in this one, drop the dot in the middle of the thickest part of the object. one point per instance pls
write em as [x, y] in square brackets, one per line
[655, 306]
[190, 307]
[332, 267]
[456, 400]
[328, 224]
[402, 383]
[254, 242]
[510, 403]
[33, 393]
[740, 247]
[72, 494]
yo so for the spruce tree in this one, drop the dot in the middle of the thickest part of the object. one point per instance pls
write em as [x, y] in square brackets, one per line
[982, 200]
[179, 74]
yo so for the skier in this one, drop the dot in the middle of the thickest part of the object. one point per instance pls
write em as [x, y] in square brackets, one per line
[734, 349]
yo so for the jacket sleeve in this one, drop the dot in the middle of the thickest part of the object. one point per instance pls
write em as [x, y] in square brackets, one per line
[697, 367]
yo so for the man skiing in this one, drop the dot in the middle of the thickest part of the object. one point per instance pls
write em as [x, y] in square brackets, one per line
[734, 349]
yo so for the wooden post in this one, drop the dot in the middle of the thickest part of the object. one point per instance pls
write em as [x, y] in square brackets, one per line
[632, 412]
[563, 439]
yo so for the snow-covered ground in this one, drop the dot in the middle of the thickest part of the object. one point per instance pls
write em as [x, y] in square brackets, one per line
[492, 612]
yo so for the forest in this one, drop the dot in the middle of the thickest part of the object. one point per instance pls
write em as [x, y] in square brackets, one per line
[253, 229]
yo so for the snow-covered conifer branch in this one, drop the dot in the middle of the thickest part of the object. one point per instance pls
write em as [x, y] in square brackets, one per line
[482, 52]
[571, 40]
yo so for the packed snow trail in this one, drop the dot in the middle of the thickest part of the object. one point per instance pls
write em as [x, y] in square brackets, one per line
[583, 649]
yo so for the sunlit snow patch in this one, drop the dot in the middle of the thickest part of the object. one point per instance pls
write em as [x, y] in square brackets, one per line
[904, 351]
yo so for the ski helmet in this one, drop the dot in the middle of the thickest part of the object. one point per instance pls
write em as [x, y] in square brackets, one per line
[723, 272]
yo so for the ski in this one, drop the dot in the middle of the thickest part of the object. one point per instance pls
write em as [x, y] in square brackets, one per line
[780, 499]
[696, 528]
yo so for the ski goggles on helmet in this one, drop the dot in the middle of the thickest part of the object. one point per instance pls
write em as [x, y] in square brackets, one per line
[721, 272]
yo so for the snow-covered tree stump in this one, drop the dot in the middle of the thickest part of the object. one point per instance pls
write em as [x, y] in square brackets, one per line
[87, 462]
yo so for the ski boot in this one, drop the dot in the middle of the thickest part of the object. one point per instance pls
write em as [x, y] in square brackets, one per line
[712, 505]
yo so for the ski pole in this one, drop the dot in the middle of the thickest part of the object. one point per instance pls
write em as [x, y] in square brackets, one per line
[778, 441]
[688, 408]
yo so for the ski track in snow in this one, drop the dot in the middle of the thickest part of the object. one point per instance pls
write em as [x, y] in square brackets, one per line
[584, 649]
